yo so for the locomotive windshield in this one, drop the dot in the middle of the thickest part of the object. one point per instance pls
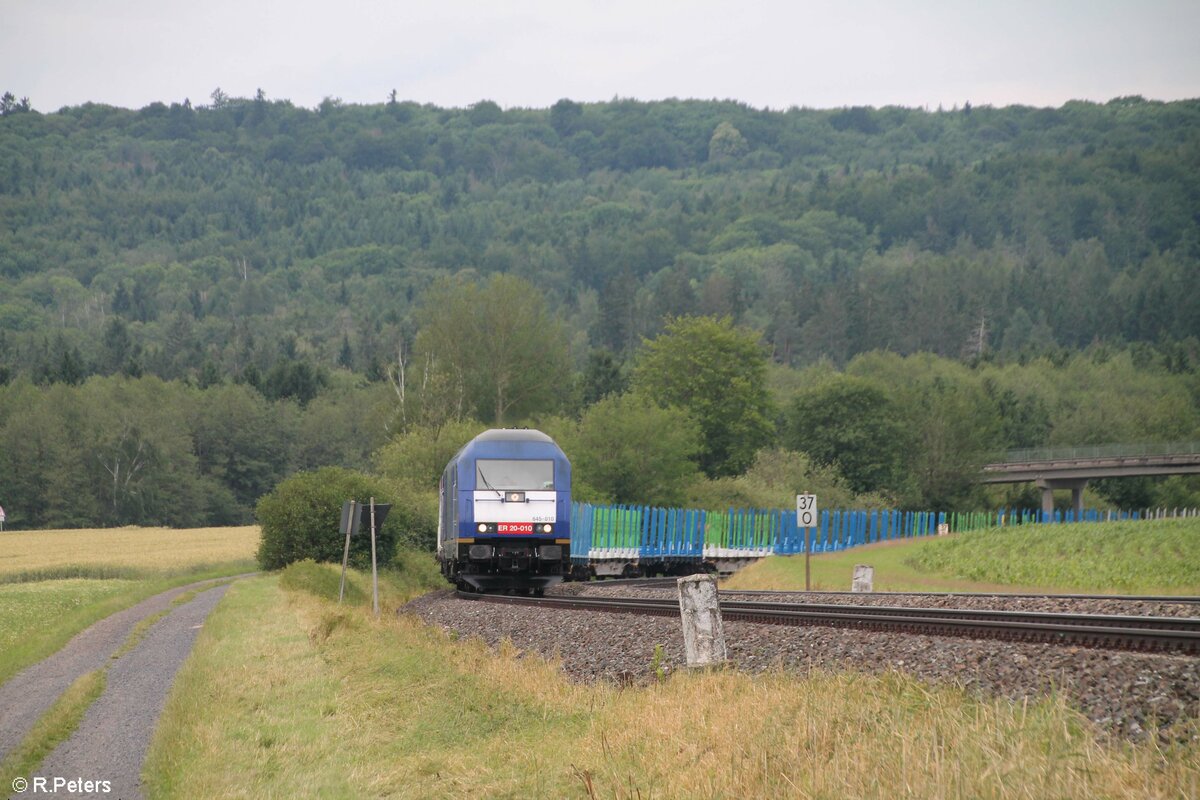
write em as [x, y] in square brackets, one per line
[503, 474]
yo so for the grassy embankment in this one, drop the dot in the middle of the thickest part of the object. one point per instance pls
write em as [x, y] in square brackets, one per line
[54, 584]
[330, 702]
[1147, 557]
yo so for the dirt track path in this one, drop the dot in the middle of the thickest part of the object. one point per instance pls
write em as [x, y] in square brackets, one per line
[111, 741]
[31, 692]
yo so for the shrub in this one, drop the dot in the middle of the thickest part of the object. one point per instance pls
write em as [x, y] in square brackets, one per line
[414, 572]
[300, 519]
[320, 580]
[419, 511]
[773, 481]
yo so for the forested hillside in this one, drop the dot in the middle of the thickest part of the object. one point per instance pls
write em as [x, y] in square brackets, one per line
[294, 259]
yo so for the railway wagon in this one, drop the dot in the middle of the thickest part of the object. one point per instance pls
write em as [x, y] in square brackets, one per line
[504, 514]
[639, 541]
[635, 541]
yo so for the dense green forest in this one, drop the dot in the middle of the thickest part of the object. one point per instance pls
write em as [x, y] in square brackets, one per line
[247, 288]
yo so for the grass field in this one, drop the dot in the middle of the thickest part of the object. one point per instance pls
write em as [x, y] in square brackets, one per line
[1147, 557]
[27, 608]
[330, 702]
[121, 552]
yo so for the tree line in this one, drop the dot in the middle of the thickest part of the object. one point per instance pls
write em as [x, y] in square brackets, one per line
[700, 417]
[118, 450]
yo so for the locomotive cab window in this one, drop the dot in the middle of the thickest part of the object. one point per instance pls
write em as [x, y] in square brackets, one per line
[505, 474]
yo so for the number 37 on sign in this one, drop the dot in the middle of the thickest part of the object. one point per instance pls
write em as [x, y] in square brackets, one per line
[806, 511]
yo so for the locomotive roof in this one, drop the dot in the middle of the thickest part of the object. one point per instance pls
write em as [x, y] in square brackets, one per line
[508, 443]
[513, 435]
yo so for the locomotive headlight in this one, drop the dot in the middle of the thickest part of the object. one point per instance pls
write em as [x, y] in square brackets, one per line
[482, 528]
[547, 528]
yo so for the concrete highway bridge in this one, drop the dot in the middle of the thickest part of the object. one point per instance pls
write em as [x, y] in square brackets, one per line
[1072, 467]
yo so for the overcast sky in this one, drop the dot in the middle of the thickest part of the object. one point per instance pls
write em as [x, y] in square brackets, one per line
[533, 52]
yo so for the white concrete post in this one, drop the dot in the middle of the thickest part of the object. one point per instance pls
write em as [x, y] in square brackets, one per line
[864, 578]
[703, 632]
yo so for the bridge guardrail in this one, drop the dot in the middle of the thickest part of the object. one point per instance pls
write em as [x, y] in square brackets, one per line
[1096, 451]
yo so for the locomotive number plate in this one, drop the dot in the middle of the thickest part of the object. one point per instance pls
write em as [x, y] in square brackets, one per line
[514, 527]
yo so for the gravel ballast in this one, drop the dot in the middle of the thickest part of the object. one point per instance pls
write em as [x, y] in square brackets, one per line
[1123, 692]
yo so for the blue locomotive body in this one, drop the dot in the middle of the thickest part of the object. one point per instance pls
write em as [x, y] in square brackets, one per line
[504, 514]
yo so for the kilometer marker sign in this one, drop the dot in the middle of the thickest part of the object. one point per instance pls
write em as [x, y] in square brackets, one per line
[806, 518]
[806, 510]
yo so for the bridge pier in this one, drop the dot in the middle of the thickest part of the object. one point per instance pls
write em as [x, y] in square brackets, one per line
[1048, 485]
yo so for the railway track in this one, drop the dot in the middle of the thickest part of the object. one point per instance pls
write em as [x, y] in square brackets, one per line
[669, 583]
[1139, 598]
[1144, 633]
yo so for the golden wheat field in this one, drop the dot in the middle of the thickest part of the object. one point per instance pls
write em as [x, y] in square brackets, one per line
[156, 550]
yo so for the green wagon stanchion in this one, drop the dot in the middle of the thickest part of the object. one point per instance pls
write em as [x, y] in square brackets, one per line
[602, 528]
[717, 530]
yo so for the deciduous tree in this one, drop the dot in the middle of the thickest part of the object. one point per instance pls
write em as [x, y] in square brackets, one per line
[497, 345]
[717, 374]
[633, 451]
[851, 424]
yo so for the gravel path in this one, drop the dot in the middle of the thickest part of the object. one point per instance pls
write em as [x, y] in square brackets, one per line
[1121, 691]
[26, 696]
[111, 741]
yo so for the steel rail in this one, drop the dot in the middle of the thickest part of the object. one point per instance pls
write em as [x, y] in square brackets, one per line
[1162, 634]
[651, 583]
[1130, 598]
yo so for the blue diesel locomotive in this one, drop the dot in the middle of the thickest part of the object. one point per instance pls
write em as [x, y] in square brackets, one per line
[504, 514]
